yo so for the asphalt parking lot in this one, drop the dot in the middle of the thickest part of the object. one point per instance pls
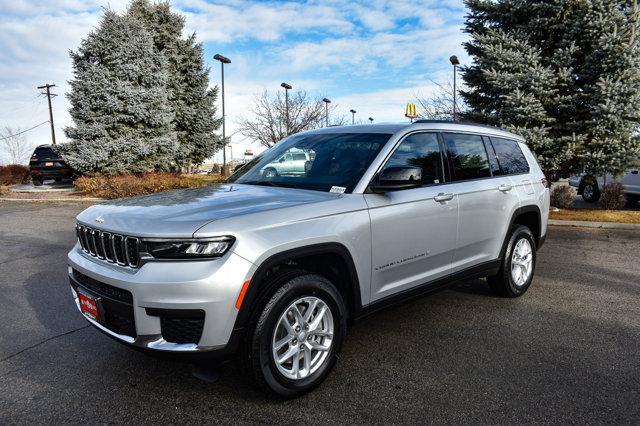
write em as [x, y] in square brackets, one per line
[566, 352]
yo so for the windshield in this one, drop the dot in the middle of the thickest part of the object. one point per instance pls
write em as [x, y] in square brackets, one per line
[322, 162]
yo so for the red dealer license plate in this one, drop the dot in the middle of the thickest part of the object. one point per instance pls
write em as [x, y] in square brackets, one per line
[89, 306]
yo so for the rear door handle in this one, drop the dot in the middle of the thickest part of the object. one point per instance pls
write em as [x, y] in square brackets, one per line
[505, 187]
[443, 197]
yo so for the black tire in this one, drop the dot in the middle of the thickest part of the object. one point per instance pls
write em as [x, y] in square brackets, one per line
[257, 357]
[270, 173]
[36, 181]
[58, 179]
[589, 190]
[632, 199]
[503, 284]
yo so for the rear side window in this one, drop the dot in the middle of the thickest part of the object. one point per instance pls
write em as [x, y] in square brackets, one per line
[420, 150]
[468, 156]
[510, 156]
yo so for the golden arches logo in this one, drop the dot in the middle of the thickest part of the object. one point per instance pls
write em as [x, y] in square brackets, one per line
[410, 110]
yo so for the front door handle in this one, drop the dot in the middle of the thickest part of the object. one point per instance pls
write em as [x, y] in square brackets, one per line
[505, 187]
[441, 197]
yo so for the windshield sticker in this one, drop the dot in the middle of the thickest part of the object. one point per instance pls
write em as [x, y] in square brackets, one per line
[338, 189]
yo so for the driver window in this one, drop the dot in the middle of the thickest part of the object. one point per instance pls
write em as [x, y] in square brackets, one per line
[420, 150]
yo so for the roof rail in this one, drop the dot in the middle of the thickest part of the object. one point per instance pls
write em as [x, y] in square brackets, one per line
[468, 123]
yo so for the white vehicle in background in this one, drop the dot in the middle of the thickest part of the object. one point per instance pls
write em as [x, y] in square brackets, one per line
[293, 162]
[589, 186]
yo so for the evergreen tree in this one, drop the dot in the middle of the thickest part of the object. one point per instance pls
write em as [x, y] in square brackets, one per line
[123, 118]
[139, 98]
[188, 91]
[562, 73]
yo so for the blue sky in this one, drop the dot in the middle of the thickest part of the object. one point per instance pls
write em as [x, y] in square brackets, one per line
[372, 56]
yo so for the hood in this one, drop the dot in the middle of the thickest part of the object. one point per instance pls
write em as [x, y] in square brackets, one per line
[180, 213]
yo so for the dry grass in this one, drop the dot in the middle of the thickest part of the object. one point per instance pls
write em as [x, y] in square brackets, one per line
[623, 216]
[130, 185]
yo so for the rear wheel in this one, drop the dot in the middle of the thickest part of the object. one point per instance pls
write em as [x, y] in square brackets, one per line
[295, 335]
[36, 181]
[518, 264]
[590, 191]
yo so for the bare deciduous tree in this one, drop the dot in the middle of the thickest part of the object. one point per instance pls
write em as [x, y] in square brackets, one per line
[14, 145]
[268, 123]
[439, 105]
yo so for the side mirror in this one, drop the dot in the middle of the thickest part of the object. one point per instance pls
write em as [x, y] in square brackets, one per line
[394, 178]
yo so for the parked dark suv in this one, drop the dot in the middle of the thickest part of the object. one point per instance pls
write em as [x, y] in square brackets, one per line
[47, 164]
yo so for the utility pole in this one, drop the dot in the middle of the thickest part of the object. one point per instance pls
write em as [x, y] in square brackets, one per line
[48, 87]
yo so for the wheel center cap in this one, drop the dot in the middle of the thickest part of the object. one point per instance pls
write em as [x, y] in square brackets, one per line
[302, 336]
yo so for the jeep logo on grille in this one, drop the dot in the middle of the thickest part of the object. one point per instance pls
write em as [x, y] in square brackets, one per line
[99, 219]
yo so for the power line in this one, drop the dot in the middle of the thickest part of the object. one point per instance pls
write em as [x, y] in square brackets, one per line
[24, 131]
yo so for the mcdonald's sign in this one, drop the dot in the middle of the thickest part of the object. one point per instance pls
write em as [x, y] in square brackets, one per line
[410, 110]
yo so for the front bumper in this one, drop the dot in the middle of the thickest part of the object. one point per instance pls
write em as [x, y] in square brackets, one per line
[211, 287]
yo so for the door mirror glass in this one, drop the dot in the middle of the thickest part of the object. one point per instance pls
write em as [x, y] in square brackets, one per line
[393, 178]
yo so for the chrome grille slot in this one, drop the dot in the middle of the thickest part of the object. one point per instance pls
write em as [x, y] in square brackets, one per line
[118, 249]
[92, 241]
[106, 246]
[131, 250]
[97, 240]
[114, 248]
[85, 239]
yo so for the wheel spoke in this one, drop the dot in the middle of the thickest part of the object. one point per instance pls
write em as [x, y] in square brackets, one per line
[321, 333]
[293, 350]
[318, 347]
[296, 364]
[297, 315]
[316, 321]
[279, 344]
[307, 359]
[309, 312]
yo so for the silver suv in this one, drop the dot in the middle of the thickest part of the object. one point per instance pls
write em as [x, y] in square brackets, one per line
[271, 267]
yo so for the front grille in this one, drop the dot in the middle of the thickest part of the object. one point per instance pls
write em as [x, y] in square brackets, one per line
[179, 326]
[113, 248]
[102, 289]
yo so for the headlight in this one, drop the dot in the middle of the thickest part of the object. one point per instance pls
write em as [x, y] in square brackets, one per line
[189, 249]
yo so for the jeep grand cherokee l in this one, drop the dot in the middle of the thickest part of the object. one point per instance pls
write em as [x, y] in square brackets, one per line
[270, 267]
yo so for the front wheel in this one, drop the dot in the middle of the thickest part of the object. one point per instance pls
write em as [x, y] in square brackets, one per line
[296, 336]
[518, 264]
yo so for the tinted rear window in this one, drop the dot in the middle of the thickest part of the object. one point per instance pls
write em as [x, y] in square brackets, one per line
[45, 152]
[510, 156]
[468, 156]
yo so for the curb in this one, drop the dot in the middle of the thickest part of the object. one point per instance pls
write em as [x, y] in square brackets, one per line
[602, 225]
[54, 200]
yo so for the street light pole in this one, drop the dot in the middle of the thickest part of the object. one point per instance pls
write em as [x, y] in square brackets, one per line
[223, 60]
[353, 116]
[286, 87]
[371, 120]
[455, 62]
[326, 111]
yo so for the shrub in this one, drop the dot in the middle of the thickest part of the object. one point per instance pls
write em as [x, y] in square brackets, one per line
[147, 183]
[14, 173]
[612, 196]
[562, 196]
